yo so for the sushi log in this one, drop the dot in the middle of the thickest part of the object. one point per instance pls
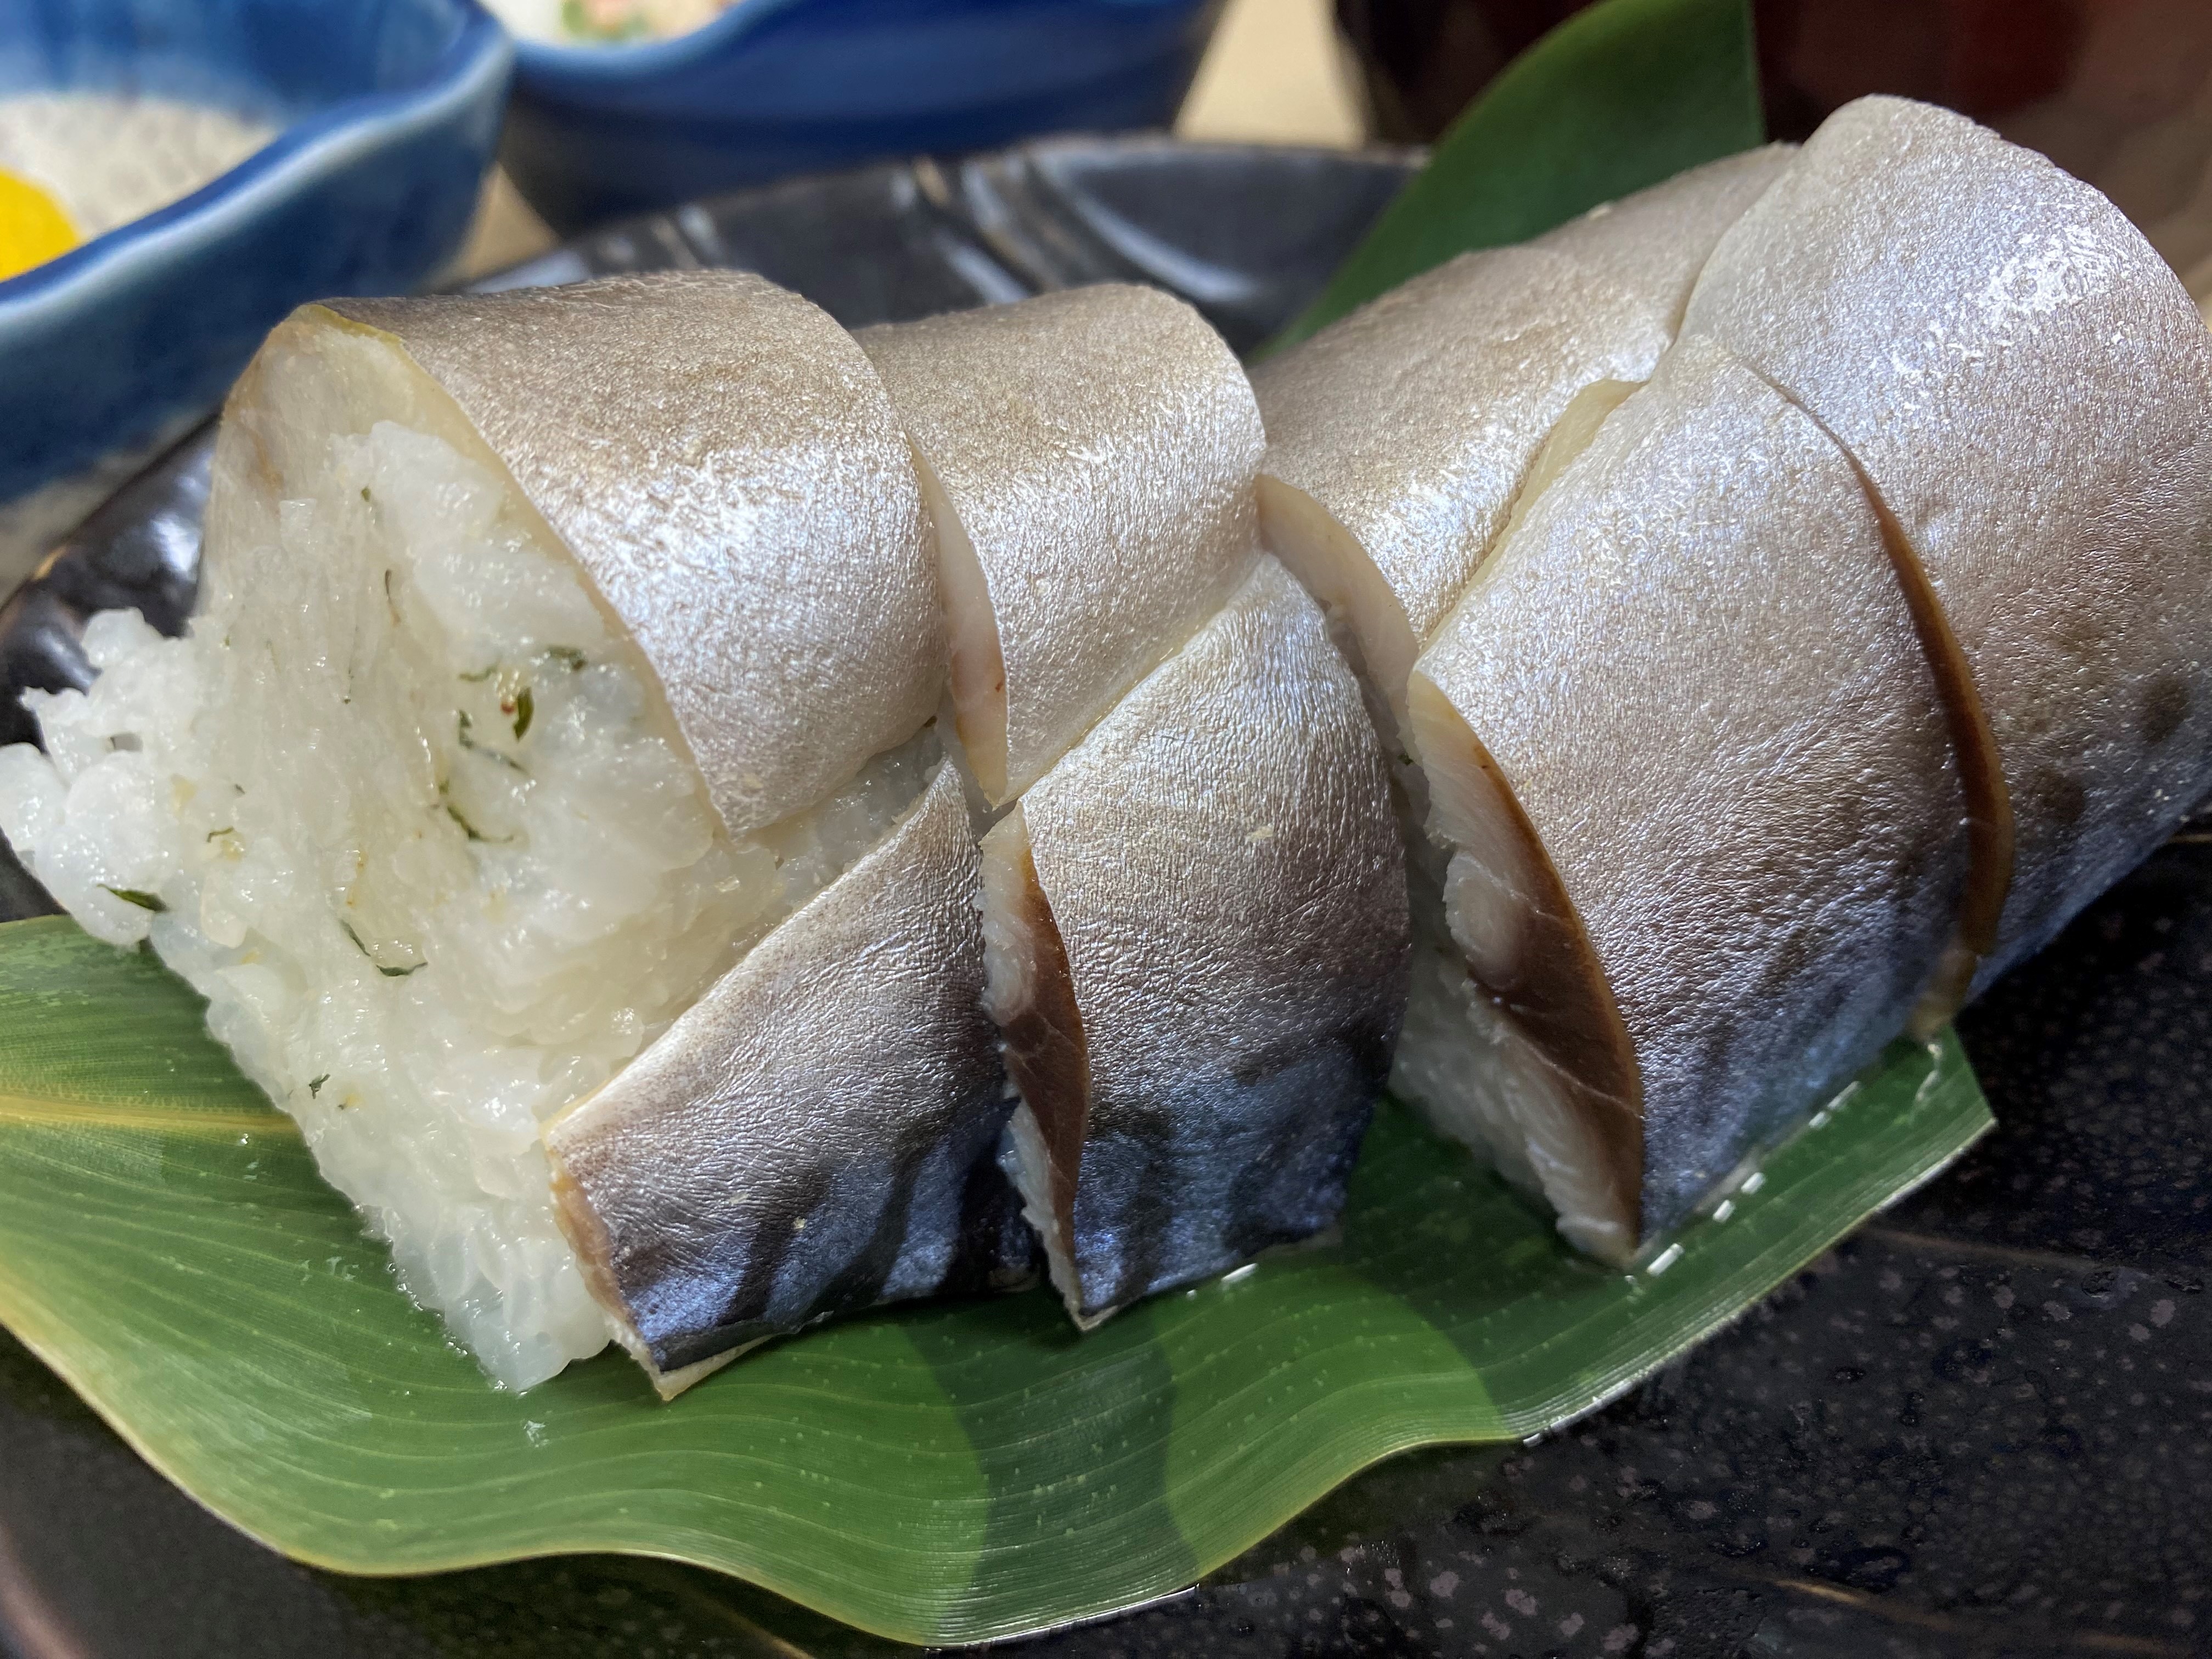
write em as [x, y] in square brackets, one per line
[1196, 931]
[1400, 438]
[2026, 390]
[523, 698]
[1707, 828]
[1087, 458]
[1194, 906]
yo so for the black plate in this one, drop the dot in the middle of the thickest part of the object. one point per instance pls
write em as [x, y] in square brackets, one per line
[1982, 1426]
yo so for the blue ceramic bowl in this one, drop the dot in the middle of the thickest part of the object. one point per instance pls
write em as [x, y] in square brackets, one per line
[389, 111]
[778, 87]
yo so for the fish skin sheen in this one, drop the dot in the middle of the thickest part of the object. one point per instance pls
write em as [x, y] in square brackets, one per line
[723, 463]
[1655, 243]
[1087, 457]
[802, 1142]
[1399, 437]
[1206, 900]
[1694, 675]
[2028, 389]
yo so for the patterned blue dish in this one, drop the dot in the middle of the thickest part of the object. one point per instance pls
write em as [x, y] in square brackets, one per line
[388, 111]
[778, 87]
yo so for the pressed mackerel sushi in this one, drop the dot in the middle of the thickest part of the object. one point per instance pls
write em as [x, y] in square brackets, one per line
[742, 1178]
[1401, 439]
[524, 698]
[1708, 835]
[1194, 904]
[1196, 924]
[1087, 458]
[2026, 389]
[1862, 645]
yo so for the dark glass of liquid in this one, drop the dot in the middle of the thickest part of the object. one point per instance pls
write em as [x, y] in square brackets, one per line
[1424, 59]
[2117, 92]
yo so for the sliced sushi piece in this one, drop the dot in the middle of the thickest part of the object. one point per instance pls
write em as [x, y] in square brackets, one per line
[1401, 439]
[525, 694]
[1195, 929]
[817, 1133]
[1087, 458]
[1194, 913]
[2026, 389]
[716, 455]
[1708, 830]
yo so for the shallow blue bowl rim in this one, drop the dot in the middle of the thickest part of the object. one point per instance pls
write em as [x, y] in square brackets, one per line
[622, 63]
[315, 144]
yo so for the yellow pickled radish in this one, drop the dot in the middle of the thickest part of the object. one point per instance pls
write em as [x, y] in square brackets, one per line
[33, 228]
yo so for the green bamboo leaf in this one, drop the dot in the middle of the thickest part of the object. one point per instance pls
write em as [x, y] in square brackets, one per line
[945, 1473]
[1618, 97]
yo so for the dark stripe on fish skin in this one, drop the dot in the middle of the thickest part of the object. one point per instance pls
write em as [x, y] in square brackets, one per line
[1308, 1164]
[765, 1299]
[1296, 1187]
[2163, 710]
[860, 1283]
[998, 1250]
[747, 1275]
[1122, 1251]
[1366, 1049]
[1301, 1115]
[795, 1262]
[864, 1280]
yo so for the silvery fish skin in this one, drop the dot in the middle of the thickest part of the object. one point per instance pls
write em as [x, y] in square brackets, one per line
[1399, 437]
[1198, 921]
[1088, 459]
[818, 1134]
[720, 460]
[1691, 685]
[1655, 242]
[2028, 389]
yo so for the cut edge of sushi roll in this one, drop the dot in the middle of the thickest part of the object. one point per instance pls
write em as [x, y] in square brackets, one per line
[1707, 1003]
[400, 668]
[1623, 272]
[1086, 458]
[1394, 462]
[1196, 954]
[976, 687]
[1990, 828]
[1554, 1096]
[1478, 873]
[1656, 239]
[722, 461]
[1030, 994]
[1368, 623]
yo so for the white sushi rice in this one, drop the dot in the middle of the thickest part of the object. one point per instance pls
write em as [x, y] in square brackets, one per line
[110, 158]
[405, 807]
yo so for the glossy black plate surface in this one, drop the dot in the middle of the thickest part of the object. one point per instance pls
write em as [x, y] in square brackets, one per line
[1981, 1427]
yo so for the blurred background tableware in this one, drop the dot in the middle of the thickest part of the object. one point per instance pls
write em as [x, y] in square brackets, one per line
[212, 163]
[765, 88]
[2117, 92]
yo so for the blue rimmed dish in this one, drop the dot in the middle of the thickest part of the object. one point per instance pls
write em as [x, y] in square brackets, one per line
[773, 87]
[387, 112]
